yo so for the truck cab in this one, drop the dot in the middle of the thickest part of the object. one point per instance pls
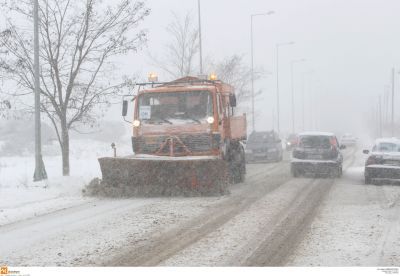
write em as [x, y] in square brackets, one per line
[187, 117]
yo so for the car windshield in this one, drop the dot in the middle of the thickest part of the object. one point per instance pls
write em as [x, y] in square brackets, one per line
[315, 142]
[386, 147]
[261, 138]
[175, 107]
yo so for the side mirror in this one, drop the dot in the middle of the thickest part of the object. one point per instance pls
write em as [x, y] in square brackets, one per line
[366, 151]
[124, 108]
[232, 100]
[7, 104]
[342, 147]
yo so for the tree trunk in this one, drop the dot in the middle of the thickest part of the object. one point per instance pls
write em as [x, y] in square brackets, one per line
[65, 150]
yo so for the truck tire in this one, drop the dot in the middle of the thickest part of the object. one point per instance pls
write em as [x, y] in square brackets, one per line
[237, 163]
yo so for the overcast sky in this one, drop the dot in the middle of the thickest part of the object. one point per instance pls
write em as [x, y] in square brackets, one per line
[350, 47]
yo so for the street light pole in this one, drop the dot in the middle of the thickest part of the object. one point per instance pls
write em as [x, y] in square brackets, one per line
[393, 102]
[380, 116]
[277, 83]
[252, 65]
[292, 77]
[40, 171]
[200, 41]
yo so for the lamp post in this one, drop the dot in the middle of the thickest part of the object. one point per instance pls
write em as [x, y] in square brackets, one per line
[277, 82]
[392, 121]
[252, 63]
[200, 41]
[292, 63]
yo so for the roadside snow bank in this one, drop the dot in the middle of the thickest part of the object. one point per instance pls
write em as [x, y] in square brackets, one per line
[21, 198]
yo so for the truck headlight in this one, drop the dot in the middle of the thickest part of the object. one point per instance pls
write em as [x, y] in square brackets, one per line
[210, 120]
[136, 123]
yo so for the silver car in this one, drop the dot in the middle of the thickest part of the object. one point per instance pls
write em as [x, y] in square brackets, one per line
[383, 161]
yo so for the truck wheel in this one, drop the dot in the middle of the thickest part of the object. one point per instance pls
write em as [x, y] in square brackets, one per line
[237, 164]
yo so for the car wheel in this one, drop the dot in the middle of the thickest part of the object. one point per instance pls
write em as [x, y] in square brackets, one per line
[339, 172]
[295, 172]
[367, 180]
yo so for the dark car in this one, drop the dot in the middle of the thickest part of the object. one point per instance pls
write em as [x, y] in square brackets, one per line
[317, 153]
[383, 161]
[263, 146]
[291, 142]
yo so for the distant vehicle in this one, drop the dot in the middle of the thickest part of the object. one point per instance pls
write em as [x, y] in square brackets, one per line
[291, 141]
[348, 140]
[318, 153]
[383, 161]
[263, 146]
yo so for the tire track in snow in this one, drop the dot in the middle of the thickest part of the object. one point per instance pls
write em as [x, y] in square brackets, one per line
[292, 223]
[164, 245]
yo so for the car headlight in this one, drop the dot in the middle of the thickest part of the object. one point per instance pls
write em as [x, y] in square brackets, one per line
[210, 120]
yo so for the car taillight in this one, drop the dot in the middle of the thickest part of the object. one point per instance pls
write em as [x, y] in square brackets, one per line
[333, 142]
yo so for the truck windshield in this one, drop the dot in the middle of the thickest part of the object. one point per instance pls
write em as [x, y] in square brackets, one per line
[175, 107]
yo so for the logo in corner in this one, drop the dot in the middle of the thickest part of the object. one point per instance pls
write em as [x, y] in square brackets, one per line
[3, 270]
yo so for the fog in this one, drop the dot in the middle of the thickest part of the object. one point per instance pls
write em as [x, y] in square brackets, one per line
[349, 46]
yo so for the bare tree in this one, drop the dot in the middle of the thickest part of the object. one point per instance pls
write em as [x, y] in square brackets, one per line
[182, 48]
[79, 40]
[234, 71]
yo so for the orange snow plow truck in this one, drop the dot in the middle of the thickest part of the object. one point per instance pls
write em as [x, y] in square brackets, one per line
[186, 141]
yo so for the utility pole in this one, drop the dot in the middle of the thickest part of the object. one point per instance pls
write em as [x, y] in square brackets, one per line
[200, 41]
[393, 101]
[40, 171]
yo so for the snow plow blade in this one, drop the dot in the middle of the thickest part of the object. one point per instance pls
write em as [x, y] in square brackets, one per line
[169, 176]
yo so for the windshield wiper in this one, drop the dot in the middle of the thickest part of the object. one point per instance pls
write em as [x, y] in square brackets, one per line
[157, 119]
[165, 120]
[195, 120]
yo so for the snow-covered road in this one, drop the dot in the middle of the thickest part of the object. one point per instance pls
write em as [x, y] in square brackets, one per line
[271, 219]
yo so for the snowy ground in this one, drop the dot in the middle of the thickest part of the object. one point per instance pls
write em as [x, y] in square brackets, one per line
[22, 198]
[53, 224]
[358, 225]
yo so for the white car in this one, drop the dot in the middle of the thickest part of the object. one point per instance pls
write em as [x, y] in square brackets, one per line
[348, 140]
[383, 161]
